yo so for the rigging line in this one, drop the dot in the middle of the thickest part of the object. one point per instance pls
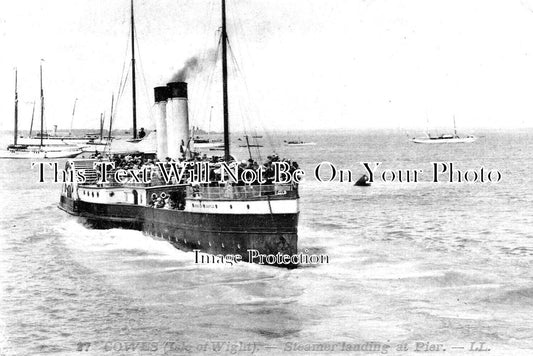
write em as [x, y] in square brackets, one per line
[122, 87]
[139, 57]
[240, 107]
[124, 73]
[236, 21]
[269, 137]
[126, 60]
[243, 111]
[200, 90]
[119, 96]
[198, 108]
[213, 72]
[247, 92]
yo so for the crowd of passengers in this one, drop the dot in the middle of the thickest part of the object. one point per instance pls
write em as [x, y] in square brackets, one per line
[132, 162]
[176, 199]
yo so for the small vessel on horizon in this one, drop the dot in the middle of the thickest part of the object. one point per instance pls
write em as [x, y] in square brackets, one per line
[444, 138]
[200, 142]
[299, 143]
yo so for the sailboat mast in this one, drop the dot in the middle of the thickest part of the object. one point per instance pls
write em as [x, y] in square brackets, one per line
[32, 116]
[225, 82]
[72, 119]
[248, 146]
[454, 127]
[111, 119]
[134, 97]
[42, 101]
[15, 134]
[101, 126]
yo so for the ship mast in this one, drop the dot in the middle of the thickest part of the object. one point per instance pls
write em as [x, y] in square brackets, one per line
[42, 101]
[32, 116]
[224, 40]
[16, 110]
[72, 119]
[134, 101]
[101, 126]
[111, 119]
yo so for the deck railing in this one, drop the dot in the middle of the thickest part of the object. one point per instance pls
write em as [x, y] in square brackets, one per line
[240, 192]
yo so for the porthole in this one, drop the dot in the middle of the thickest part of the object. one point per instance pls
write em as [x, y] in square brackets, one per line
[231, 207]
[111, 194]
[248, 206]
[97, 194]
[92, 194]
[216, 206]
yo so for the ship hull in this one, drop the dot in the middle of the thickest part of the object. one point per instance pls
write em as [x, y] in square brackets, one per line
[443, 140]
[217, 234]
[38, 154]
[302, 144]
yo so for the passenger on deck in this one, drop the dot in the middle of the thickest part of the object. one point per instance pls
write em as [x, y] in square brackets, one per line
[167, 203]
[159, 203]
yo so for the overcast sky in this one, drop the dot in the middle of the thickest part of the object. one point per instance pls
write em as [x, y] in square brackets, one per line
[305, 63]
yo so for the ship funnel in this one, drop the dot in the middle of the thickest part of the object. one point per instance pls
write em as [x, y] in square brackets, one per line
[177, 120]
[160, 109]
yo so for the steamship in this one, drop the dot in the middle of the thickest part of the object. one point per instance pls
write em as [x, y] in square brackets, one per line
[219, 219]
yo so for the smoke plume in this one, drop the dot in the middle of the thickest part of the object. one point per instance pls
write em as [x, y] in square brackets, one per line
[195, 65]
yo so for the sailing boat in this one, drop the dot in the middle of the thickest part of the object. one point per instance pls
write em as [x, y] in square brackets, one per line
[22, 151]
[88, 142]
[445, 138]
[219, 218]
[200, 142]
[299, 143]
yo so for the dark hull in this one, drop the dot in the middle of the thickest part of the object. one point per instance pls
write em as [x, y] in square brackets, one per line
[211, 233]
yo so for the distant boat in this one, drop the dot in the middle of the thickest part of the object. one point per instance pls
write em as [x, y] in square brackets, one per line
[252, 136]
[36, 152]
[87, 143]
[200, 142]
[445, 138]
[299, 143]
[248, 144]
[22, 151]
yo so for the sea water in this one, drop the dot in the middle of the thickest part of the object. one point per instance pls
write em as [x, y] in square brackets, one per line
[413, 268]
